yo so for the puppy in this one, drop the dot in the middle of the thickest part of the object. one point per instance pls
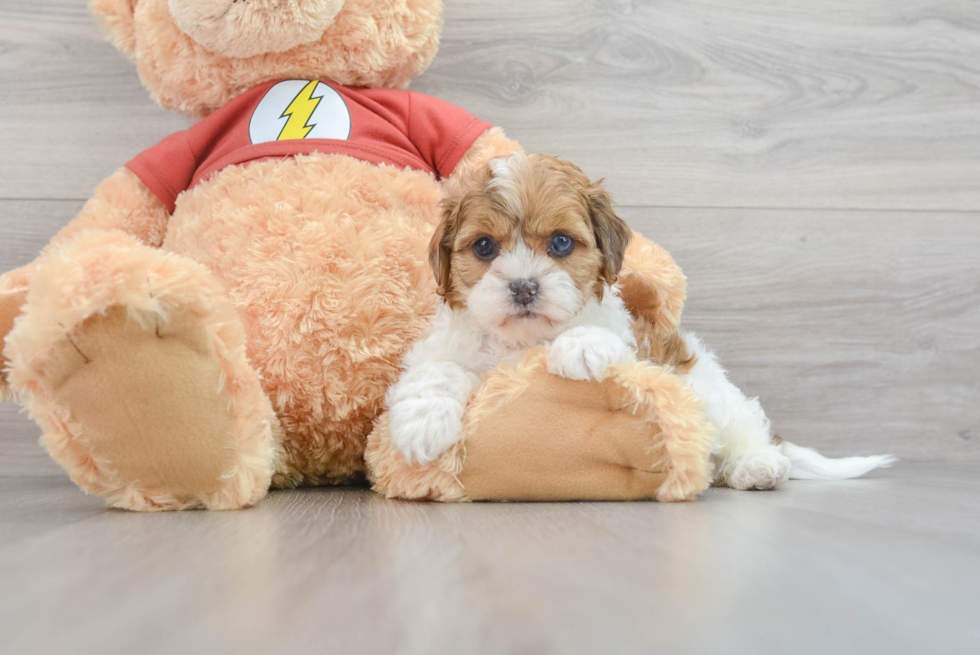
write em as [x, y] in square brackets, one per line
[528, 254]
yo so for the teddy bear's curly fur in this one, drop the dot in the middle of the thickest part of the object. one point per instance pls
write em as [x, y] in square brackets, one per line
[193, 359]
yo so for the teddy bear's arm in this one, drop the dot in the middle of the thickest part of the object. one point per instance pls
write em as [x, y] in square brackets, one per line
[121, 202]
[490, 144]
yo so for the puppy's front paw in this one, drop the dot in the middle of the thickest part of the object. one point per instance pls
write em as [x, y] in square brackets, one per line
[422, 429]
[584, 353]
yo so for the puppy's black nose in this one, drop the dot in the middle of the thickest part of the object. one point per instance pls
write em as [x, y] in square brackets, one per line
[524, 291]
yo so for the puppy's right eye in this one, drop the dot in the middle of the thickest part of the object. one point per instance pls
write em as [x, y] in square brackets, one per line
[485, 249]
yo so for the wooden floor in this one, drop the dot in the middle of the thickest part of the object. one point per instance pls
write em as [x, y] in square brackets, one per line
[887, 564]
[814, 166]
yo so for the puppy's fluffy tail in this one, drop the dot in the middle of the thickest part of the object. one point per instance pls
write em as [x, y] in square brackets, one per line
[808, 464]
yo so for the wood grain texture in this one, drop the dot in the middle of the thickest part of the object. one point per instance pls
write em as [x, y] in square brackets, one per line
[886, 564]
[73, 109]
[835, 103]
[860, 331]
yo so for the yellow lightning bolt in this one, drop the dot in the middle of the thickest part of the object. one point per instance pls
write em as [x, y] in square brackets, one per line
[299, 111]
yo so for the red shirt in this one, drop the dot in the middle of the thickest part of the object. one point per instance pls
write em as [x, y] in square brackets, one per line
[299, 117]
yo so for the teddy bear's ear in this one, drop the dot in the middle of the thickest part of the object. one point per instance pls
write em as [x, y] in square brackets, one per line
[115, 17]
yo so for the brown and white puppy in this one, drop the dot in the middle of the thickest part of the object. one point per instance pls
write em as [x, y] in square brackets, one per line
[527, 254]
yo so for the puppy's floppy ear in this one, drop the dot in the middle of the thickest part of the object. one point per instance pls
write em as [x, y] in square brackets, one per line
[441, 245]
[612, 234]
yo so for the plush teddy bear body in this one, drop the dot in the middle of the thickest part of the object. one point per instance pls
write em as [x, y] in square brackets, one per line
[220, 318]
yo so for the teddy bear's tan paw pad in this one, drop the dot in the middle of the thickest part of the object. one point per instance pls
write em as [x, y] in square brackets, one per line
[149, 404]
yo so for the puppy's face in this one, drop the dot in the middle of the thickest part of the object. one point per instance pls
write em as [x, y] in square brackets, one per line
[524, 244]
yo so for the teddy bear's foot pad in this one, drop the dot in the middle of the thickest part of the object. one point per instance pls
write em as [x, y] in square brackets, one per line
[133, 362]
[529, 435]
[149, 405]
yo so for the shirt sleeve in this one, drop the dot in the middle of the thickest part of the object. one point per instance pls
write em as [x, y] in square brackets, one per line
[167, 168]
[442, 132]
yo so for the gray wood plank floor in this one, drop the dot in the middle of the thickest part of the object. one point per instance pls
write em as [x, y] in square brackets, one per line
[881, 565]
[815, 169]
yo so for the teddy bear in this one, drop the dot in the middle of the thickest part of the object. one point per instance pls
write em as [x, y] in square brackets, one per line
[226, 312]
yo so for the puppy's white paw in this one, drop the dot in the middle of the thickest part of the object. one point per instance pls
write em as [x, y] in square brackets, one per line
[760, 469]
[585, 352]
[422, 429]
[426, 409]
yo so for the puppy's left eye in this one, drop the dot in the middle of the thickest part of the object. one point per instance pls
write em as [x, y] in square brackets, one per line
[486, 249]
[561, 245]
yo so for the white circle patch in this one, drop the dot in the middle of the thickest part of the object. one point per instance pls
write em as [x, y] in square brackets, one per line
[299, 109]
